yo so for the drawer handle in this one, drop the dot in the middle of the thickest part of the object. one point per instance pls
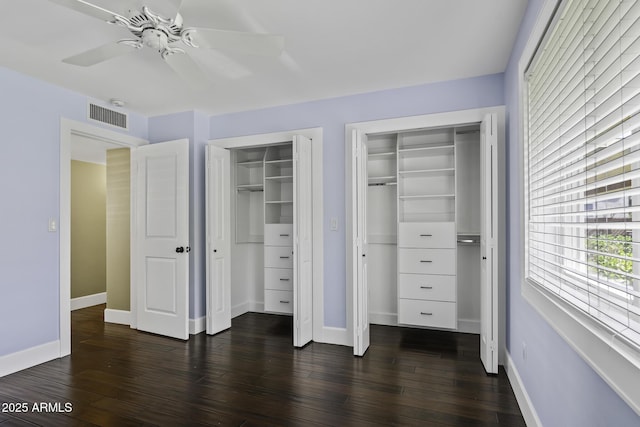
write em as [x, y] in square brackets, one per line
[425, 260]
[284, 302]
[284, 257]
[284, 280]
[426, 287]
[284, 235]
[426, 314]
[426, 235]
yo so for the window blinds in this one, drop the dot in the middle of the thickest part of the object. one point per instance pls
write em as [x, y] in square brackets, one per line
[583, 161]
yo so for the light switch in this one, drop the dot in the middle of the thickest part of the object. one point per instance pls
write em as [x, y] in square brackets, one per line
[334, 224]
[53, 225]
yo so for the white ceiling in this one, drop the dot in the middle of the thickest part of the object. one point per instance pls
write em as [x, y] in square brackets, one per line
[332, 48]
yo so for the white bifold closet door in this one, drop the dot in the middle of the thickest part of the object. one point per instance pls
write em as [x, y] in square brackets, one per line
[218, 230]
[302, 242]
[162, 224]
[488, 243]
[359, 183]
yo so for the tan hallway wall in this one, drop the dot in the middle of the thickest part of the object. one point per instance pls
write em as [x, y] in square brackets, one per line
[88, 228]
[118, 226]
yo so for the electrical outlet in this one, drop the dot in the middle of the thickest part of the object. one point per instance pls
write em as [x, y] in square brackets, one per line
[524, 350]
[53, 225]
[334, 224]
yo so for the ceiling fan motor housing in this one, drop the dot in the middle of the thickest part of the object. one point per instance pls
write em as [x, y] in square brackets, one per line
[154, 39]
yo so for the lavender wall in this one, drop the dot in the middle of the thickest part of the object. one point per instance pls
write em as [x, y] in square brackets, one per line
[30, 114]
[332, 115]
[564, 390]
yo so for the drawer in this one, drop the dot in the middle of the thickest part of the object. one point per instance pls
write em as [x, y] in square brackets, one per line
[435, 314]
[278, 278]
[427, 261]
[278, 301]
[278, 234]
[427, 287]
[278, 256]
[427, 235]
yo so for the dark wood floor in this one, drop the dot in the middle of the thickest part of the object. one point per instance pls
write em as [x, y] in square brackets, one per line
[252, 376]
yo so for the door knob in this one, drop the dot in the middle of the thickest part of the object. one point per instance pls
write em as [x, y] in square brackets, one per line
[180, 249]
[484, 257]
[188, 249]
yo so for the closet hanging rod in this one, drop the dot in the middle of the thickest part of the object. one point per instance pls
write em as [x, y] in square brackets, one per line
[376, 184]
[249, 189]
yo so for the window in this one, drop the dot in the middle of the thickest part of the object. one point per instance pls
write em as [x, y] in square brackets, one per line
[582, 164]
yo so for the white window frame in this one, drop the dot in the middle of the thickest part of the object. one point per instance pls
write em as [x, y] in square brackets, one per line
[616, 361]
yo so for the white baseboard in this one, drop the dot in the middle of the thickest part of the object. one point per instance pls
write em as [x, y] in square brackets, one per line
[387, 319]
[33, 356]
[197, 325]
[88, 301]
[469, 326]
[121, 317]
[526, 406]
[337, 336]
[246, 307]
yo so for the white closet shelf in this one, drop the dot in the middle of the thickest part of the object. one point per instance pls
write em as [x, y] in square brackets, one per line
[424, 151]
[251, 164]
[382, 154]
[249, 187]
[278, 162]
[277, 202]
[427, 172]
[386, 179]
[280, 178]
[427, 196]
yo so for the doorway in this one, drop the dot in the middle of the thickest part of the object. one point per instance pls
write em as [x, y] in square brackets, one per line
[70, 129]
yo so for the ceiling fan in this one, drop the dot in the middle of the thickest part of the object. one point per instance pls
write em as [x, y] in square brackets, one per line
[163, 30]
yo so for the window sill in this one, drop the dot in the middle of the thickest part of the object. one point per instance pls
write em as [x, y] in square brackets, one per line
[612, 358]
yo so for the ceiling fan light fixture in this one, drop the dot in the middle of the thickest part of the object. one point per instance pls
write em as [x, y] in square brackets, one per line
[154, 39]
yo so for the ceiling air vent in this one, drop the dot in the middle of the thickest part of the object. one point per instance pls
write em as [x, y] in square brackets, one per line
[110, 117]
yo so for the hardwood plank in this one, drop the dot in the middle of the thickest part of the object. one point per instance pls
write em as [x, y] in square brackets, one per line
[251, 375]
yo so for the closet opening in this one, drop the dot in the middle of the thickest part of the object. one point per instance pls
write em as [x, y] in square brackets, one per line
[260, 232]
[424, 226]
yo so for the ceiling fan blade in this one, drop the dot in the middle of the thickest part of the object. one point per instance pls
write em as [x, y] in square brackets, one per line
[238, 41]
[166, 8]
[88, 9]
[98, 54]
[187, 68]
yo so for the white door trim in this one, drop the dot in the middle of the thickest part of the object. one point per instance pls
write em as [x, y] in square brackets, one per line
[420, 122]
[67, 129]
[315, 134]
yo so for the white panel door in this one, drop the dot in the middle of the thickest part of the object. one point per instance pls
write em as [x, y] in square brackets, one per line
[302, 242]
[218, 225]
[162, 229]
[488, 244]
[359, 237]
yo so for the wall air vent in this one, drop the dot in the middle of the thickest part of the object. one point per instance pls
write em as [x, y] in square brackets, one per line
[110, 117]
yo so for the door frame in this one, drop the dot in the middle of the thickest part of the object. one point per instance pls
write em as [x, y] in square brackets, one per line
[68, 128]
[315, 134]
[403, 124]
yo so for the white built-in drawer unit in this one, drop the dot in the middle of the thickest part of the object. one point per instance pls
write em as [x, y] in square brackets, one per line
[278, 301]
[427, 287]
[278, 235]
[278, 271]
[436, 314]
[278, 279]
[427, 234]
[427, 261]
